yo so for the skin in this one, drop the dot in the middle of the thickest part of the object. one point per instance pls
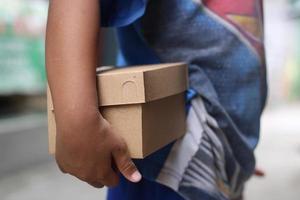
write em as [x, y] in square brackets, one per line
[87, 147]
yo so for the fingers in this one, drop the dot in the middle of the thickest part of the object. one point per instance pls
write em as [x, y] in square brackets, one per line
[124, 163]
[89, 178]
[61, 168]
[106, 175]
[96, 176]
[96, 185]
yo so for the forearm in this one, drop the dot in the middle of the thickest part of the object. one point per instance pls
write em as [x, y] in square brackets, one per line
[72, 55]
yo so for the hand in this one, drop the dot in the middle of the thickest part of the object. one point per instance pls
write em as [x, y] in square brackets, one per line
[88, 148]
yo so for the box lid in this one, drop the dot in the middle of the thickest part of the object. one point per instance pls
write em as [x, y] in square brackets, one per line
[141, 84]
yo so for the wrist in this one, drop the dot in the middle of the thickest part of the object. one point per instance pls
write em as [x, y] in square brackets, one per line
[75, 115]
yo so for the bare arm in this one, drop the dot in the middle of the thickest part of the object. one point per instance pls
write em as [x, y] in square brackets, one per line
[86, 145]
[71, 54]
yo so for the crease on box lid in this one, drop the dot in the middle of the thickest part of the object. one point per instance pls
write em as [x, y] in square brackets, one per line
[138, 84]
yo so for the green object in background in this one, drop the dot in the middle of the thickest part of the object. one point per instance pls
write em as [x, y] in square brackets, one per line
[294, 62]
[22, 27]
[295, 90]
[296, 79]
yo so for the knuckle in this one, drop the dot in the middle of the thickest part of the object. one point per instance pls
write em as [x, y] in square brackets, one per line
[123, 143]
[96, 184]
[84, 177]
[62, 169]
[57, 159]
[60, 165]
[121, 148]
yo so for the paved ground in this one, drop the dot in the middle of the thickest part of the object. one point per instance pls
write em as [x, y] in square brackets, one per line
[45, 182]
[278, 154]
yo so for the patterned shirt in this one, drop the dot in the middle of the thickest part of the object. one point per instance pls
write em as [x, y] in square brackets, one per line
[222, 41]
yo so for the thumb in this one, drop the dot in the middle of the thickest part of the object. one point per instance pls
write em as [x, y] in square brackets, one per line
[125, 164]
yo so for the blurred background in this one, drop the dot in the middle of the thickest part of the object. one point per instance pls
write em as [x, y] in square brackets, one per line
[27, 172]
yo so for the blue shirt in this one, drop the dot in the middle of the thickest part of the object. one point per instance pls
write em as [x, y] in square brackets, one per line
[222, 41]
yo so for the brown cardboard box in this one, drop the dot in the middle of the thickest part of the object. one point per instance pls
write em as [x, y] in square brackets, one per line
[144, 104]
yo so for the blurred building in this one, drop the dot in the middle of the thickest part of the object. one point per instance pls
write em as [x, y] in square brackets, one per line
[23, 122]
[22, 83]
[28, 172]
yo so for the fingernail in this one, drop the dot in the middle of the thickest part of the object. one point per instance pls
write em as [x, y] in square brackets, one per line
[136, 176]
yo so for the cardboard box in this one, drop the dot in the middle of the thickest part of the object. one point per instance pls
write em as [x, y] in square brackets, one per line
[144, 104]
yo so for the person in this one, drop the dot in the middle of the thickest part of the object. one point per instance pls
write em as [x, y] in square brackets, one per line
[222, 41]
